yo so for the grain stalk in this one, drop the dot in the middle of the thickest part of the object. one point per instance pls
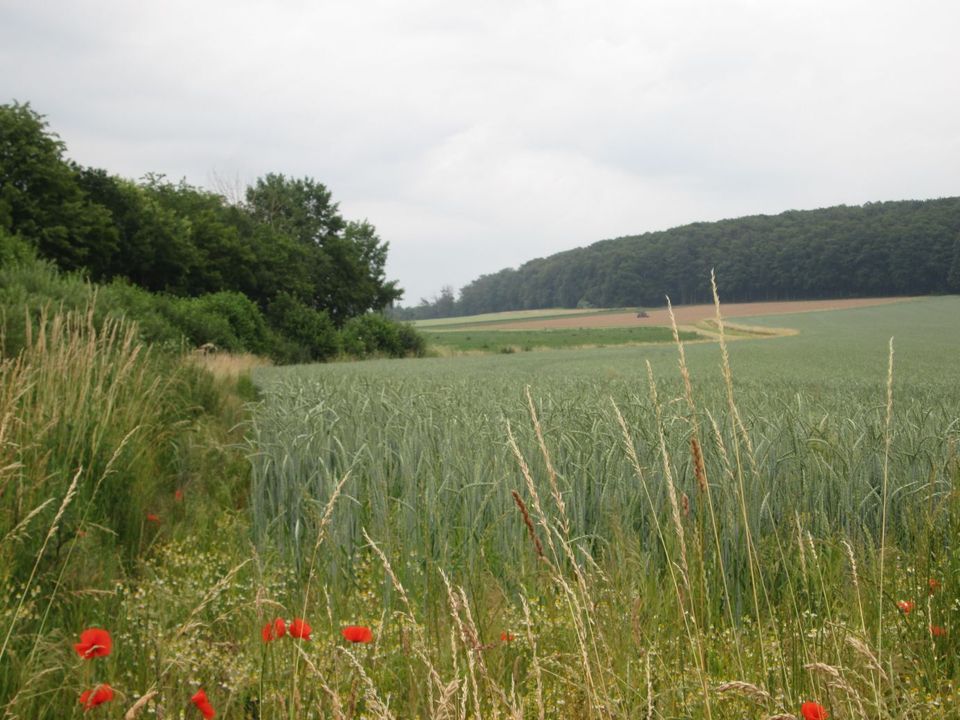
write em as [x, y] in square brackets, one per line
[578, 604]
[735, 414]
[694, 637]
[696, 634]
[54, 526]
[887, 440]
[700, 469]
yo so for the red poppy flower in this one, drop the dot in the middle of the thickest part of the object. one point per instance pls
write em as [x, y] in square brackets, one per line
[151, 517]
[94, 642]
[99, 695]
[813, 711]
[300, 629]
[178, 495]
[934, 585]
[274, 630]
[357, 634]
[507, 637]
[938, 631]
[906, 606]
[203, 704]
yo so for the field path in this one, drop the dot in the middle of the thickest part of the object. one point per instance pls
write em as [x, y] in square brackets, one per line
[687, 315]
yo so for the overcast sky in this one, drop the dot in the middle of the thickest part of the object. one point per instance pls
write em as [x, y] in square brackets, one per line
[479, 135]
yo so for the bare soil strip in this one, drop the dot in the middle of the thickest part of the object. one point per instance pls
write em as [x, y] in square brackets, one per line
[689, 315]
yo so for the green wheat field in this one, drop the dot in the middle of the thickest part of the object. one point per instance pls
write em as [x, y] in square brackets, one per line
[706, 530]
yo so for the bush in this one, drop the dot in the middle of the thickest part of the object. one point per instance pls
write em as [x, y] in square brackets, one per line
[246, 322]
[367, 335]
[28, 287]
[229, 320]
[202, 325]
[291, 332]
[14, 249]
[411, 341]
[153, 313]
[304, 334]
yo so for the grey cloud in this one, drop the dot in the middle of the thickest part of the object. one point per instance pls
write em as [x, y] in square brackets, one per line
[481, 135]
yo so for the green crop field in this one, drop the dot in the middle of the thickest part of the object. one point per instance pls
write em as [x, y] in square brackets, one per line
[506, 341]
[611, 545]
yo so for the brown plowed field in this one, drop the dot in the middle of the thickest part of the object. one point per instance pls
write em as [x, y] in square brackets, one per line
[687, 314]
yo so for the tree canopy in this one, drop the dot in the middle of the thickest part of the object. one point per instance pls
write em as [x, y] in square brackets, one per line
[280, 272]
[287, 237]
[886, 248]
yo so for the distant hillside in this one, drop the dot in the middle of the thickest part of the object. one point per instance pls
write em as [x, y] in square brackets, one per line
[889, 248]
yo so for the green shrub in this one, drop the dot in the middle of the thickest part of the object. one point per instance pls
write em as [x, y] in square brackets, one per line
[153, 313]
[367, 335]
[14, 249]
[373, 334]
[411, 341]
[202, 325]
[305, 334]
[243, 316]
[29, 286]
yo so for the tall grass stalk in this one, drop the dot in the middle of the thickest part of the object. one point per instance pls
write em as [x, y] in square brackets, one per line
[887, 441]
[755, 577]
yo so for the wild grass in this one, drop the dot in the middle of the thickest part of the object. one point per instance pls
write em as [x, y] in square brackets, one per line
[229, 366]
[99, 436]
[575, 535]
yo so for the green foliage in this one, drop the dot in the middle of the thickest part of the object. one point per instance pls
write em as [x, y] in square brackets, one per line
[28, 287]
[287, 239]
[953, 275]
[291, 332]
[14, 249]
[345, 260]
[310, 335]
[91, 406]
[412, 342]
[153, 313]
[40, 198]
[374, 335]
[369, 335]
[244, 318]
[878, 249]
[303, 209]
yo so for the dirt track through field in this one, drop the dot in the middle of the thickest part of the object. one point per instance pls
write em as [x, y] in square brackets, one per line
[687, 315]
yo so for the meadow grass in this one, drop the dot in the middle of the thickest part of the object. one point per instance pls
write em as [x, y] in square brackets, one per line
[705, 531]
[106, 453]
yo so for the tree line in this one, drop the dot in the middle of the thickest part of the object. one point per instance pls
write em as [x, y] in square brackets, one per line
[283, 259]
[877, 249]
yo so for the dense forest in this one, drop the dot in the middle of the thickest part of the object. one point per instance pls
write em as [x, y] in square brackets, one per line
[280, 272]
[884, 248]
